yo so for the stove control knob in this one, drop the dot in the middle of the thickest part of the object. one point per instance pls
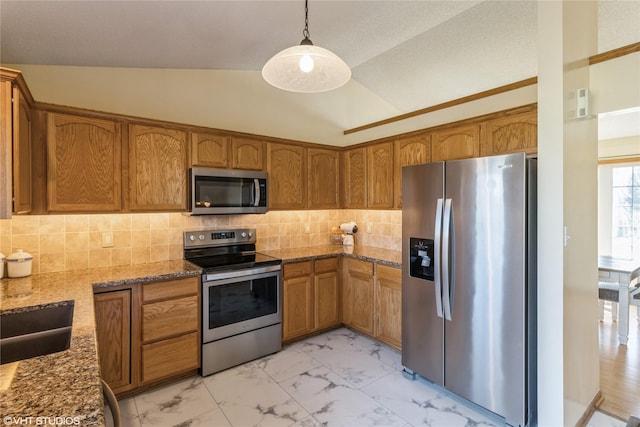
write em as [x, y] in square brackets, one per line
[250, 234]
[201, 237]
[192, 237]
[244, 235]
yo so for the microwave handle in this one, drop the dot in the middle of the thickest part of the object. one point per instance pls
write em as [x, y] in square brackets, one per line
[256, 192]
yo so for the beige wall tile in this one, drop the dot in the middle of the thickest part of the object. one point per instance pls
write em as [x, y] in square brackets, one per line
[140, 238]
[159, 221]
[100, 258]
[25, 224]
[54, 242]
[140, 255]
[100, 222]
[159, 237]
[121, 222]
[76, 242]
[121, 256]
[76, 223]
[140, 222]
[52, 224]
[52, 262]
[176, 251]
[5, 227]
[122, 239]
[177, 220]
[76, 260]
[159, 253]
[95, 240]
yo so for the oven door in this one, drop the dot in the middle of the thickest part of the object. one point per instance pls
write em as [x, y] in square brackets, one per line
[240, 301]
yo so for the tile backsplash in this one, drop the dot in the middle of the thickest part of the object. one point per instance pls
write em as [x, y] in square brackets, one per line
[72, 242]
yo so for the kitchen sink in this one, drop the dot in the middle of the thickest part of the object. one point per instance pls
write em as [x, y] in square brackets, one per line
[36, 331]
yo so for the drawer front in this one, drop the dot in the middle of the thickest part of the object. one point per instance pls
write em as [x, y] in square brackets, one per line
[327, 264]
[297, 269]
[356, 265]
[170, 357]
[170, 289]
[390, 273]
[169, 318]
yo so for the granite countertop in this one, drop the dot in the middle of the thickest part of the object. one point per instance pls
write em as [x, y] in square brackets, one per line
[366, 253]
[66, 384]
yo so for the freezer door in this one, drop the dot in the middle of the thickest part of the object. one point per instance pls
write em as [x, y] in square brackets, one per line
[485, 338]
[422, 327]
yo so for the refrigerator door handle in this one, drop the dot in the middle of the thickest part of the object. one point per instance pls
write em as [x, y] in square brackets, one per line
[436, 257]
[446, 243]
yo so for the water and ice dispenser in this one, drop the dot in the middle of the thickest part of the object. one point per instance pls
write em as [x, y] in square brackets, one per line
[421, 259]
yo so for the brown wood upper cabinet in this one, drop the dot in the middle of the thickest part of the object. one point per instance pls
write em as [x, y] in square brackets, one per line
[247, 154]
[409, 151]
[209, 150]
[462, 142]
[354, 178]
[380, 175]
[157, 169]
[511, 134]
[323, 178]
[15, 149]
[287, 176]
[83, 164]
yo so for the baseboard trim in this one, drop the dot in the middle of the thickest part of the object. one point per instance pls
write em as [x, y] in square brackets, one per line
[591, 408]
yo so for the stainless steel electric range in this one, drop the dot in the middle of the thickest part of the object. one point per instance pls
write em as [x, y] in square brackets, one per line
[241, 297]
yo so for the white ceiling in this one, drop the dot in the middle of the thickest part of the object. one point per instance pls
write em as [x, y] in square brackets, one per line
[406, 54]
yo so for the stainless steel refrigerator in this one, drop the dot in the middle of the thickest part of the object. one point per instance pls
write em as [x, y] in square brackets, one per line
[468, 280]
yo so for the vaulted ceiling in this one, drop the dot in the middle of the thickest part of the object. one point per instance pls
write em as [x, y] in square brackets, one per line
[404, 55]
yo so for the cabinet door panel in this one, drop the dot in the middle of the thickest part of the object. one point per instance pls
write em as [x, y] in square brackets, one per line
[157, 164]
[389, 305]
[359, 295]
[458, 143]
[380, 175]
[209, 150]
[298, 307]
[327, 299]
[414, 150]
[354, 182]
[247, 154]
[287, 176]
[84, 164]
[113, 332]
[323, 178]
[21, 155]
[511, 134]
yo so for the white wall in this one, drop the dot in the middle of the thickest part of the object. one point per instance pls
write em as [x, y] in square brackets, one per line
[568, 362]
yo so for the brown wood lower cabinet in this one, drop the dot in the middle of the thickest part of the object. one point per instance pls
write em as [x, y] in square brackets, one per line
[113, 331]
[148, 332]
[311, 297]
[358, 285]
[388, 305]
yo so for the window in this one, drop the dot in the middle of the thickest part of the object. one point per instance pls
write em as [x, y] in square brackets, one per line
[624, 209]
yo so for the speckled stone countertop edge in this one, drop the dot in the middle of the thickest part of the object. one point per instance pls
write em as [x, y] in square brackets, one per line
[382, 256]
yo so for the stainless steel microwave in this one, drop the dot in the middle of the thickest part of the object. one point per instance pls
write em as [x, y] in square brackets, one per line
[226, 191]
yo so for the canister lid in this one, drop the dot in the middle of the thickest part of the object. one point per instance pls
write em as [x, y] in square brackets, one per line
[19, 256]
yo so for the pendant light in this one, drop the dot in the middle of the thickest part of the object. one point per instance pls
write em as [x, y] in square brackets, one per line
[306, 68]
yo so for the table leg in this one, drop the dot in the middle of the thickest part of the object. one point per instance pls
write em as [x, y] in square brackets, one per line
[623, 314]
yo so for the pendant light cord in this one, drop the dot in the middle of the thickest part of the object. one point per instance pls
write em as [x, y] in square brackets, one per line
[305, 32]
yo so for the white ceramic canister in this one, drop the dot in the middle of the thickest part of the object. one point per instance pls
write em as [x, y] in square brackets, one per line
[19, 264]
[1, 265]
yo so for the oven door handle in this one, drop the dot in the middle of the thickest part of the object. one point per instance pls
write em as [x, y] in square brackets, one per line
[240, 273]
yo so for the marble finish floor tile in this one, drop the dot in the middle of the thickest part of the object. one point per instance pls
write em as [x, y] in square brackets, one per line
[339, 378]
